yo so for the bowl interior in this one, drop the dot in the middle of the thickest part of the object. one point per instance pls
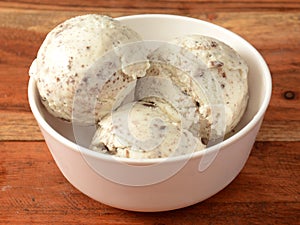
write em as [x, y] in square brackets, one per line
[166, 27]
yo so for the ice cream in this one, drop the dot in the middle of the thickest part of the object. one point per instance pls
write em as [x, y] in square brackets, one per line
[68, 56]
[148, 128]
[186, 93]
[207, 71]
[227, 67]
[202, 79]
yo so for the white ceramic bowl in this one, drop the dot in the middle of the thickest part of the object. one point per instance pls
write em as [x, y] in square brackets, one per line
[159, 184]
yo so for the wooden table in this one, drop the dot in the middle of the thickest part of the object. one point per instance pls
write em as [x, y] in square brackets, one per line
[267, 191]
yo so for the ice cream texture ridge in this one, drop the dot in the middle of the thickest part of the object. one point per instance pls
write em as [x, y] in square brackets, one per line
[173, 100]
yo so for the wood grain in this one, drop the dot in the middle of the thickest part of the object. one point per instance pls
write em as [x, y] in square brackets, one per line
[166, 6]
[33, 188]
[33, 191]
[19, 126]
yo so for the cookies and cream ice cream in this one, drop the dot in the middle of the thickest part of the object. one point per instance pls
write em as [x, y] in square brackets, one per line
[148, 128]
[207, 71]
[227, 67]
[203, 79]
[185, 93]
[64, 60]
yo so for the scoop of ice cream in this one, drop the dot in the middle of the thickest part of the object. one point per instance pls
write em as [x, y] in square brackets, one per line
[149, 128]
[65, 65]
[210, 73]
[227, 67]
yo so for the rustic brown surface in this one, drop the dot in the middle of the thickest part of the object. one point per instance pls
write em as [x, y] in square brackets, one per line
[267, 191]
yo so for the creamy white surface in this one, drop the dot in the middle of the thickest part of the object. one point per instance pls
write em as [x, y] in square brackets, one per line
[229, 70]
[203, 84]
[69, 53]
[197, 85]
[150, 128]
[211, 73]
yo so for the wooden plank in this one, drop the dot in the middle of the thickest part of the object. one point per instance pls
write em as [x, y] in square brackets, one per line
[166, 6]
[279, 131]
[19, 126]
[13, 89]
[35, 192]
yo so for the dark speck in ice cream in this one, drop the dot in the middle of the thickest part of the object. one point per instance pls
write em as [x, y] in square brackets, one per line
[214, 44]
[216, 63]
[149, 104]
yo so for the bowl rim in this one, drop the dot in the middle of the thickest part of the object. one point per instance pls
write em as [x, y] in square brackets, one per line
[32, 91]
